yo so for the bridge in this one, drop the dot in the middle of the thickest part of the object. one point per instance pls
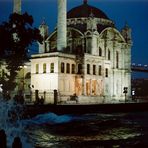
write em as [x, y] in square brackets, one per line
[139, 67]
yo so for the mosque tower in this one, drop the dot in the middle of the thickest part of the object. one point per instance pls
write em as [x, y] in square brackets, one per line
[44, 33]
[62, 25]
[17, 6]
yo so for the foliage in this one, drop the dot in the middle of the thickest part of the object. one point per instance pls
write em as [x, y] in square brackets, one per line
[16, 36]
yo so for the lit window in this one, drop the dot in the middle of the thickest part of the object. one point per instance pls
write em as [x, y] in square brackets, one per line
[37, 68]
[108, 54]
[106, 72]
[52, 68]
[79, 68]
[62, 67]
[88, 68]
[117, 59]
[94, 69]
[73, 68]
[100, 51]
[68, 68]
[100, 70]
[44, 68]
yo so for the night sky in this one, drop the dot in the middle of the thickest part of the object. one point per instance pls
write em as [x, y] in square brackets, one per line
[134, 12]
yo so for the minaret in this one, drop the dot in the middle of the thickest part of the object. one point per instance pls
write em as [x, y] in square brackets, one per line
[17, 6]
[62, 25]
[44, 33]
[126, 33]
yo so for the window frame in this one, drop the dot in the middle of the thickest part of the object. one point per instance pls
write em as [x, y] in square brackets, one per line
[51, 67]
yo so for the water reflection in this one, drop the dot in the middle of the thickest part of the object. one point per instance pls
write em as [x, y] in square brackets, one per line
[92, 130]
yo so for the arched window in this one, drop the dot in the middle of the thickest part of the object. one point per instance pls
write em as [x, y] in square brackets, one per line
[52, 68]
[37, 68]
[88, 68]
[44, 68]
[94, 69]
[108, 54]
[62, 67]
[73, 69]
[67, 68]
[79, 68]
[100, 51]
[106, 72]
[100, 70]
[117, 59]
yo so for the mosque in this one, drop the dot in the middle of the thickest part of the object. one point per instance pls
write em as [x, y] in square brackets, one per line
[86, 56]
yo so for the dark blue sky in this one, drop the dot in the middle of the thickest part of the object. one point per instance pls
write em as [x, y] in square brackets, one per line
[135, 12]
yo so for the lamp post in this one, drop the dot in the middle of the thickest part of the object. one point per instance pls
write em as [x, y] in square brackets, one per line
[1, 90]
[125, 90]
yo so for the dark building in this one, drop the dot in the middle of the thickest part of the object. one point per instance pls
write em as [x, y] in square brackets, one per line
[140, 88]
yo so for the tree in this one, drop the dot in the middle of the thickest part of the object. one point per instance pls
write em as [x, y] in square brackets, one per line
[16, 36]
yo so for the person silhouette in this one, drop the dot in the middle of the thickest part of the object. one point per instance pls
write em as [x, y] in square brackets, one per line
[17, 143]
[3, 139]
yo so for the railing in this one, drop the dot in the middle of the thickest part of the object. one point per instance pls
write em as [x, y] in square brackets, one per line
[139, 67]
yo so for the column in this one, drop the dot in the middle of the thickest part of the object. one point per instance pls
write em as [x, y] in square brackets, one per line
[62, 25]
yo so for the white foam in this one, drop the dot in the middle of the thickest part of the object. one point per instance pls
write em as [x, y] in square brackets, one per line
[49, 118]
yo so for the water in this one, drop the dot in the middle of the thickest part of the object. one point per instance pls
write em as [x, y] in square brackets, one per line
[73, 131]
[89, 130]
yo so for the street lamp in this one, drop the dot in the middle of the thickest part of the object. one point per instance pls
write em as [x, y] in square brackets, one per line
[1, 91]
[125, 90]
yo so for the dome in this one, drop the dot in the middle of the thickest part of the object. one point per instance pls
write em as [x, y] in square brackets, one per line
[86, 10]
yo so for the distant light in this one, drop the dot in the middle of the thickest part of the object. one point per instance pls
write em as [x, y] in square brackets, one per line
[145, 65]
[139, 64]
[1, 90]
[23, 66]
[133, 92]
[133, 64]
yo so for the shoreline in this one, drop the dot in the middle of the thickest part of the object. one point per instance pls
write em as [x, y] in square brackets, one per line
[33, 110]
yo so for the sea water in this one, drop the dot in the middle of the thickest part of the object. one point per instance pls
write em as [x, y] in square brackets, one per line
[89, 130]
[65, 131]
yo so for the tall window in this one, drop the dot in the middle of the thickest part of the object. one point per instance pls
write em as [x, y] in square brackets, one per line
[52, 68]
[73, 69]
[117, 59]
[108, 54]
[106, 72]
[100, 51]
[94, 69]
[62, 67]
[68, 68]
[44, 68]
[88, 68]
[79, 68]
[100, 70]
[37, 68]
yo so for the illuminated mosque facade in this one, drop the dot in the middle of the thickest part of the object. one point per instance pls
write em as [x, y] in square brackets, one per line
[86, 56]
